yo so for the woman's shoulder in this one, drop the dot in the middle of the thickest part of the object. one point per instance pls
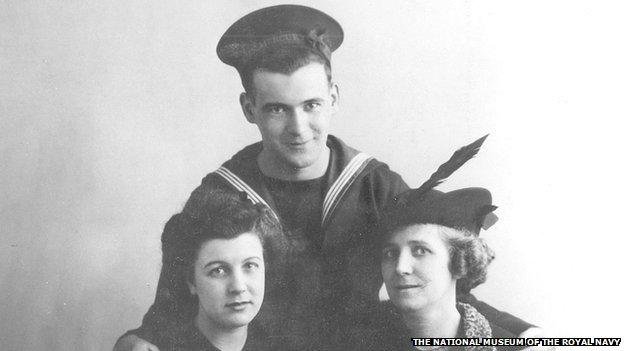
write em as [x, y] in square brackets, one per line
[258, 340]
[475, 325]
[500, 332]
[185, 337]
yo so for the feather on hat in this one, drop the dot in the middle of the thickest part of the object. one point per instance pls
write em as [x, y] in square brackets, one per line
[469, 208]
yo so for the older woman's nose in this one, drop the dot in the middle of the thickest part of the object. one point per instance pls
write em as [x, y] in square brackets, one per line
[404, 264]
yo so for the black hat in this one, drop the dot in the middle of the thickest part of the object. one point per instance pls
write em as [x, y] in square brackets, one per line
[279, 25]
[463, 209]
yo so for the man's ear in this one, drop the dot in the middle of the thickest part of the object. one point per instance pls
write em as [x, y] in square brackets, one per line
[334, 94]
[247, 105]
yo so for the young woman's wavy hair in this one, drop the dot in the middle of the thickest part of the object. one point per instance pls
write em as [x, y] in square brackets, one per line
[221, 215]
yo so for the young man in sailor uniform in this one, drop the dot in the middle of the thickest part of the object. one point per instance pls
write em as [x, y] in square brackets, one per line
[327, 195]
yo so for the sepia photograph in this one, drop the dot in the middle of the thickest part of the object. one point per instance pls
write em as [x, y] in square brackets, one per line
[311, 175]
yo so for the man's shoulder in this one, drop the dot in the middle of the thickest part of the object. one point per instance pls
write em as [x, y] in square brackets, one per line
[346, 154]
[372, 175]
[246, 157]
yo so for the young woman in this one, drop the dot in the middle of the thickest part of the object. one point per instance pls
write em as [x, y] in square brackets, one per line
[221, 259]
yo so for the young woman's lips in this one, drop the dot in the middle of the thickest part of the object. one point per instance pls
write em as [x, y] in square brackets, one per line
[407, 286]
[238, 305]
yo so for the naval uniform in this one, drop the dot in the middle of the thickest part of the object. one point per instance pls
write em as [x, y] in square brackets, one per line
[330, 277]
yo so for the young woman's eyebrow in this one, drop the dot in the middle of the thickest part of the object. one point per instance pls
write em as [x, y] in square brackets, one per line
[214, 263]
[388, 245]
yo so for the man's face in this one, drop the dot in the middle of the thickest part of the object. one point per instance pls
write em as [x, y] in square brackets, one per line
[292, 113]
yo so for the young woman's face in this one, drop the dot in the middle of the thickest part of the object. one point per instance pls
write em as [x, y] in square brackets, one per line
[229, 280]
[415, 268]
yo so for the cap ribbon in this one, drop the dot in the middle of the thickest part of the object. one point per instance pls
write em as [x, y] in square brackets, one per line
[314, 39]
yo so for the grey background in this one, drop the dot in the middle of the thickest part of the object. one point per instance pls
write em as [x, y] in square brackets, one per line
[112, 112]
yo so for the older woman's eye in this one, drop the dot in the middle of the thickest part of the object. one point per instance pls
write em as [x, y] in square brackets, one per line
[419, 251]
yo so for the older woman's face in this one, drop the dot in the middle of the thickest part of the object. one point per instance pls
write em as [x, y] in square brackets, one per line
[415, 268]
[229, 280]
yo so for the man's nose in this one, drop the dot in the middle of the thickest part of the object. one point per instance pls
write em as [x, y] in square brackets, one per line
[298, 122]
[404, 264]
[237, 283]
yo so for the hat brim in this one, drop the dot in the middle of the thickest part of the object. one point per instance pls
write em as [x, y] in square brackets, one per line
[463, 209]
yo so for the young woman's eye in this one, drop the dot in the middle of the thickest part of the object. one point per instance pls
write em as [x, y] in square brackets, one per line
[252, 265]
[217, 272]
[389, 254]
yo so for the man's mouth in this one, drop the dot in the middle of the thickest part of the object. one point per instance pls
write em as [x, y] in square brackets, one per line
[298, 143]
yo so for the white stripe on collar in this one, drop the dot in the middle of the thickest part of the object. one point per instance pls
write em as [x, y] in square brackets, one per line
[332, 198]
[340, 186]
[240, 185]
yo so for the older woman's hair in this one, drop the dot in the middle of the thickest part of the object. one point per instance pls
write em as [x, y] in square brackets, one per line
[469, 257]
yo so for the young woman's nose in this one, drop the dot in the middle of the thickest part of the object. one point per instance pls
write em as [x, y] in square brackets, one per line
[237, 283]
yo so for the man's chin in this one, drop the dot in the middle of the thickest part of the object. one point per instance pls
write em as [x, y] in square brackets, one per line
[299, 165]
[299, 160]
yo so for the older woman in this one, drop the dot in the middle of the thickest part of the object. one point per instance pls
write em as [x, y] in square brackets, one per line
[219, 261]
[430, 253]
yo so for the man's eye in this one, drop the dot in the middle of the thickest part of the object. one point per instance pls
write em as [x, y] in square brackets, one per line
[312, 106]
[276, 109]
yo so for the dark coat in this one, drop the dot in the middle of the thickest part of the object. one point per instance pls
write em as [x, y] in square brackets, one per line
[187, 337]
[384, 330]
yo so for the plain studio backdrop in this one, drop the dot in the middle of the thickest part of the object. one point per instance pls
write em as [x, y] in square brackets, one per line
[113, 111]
